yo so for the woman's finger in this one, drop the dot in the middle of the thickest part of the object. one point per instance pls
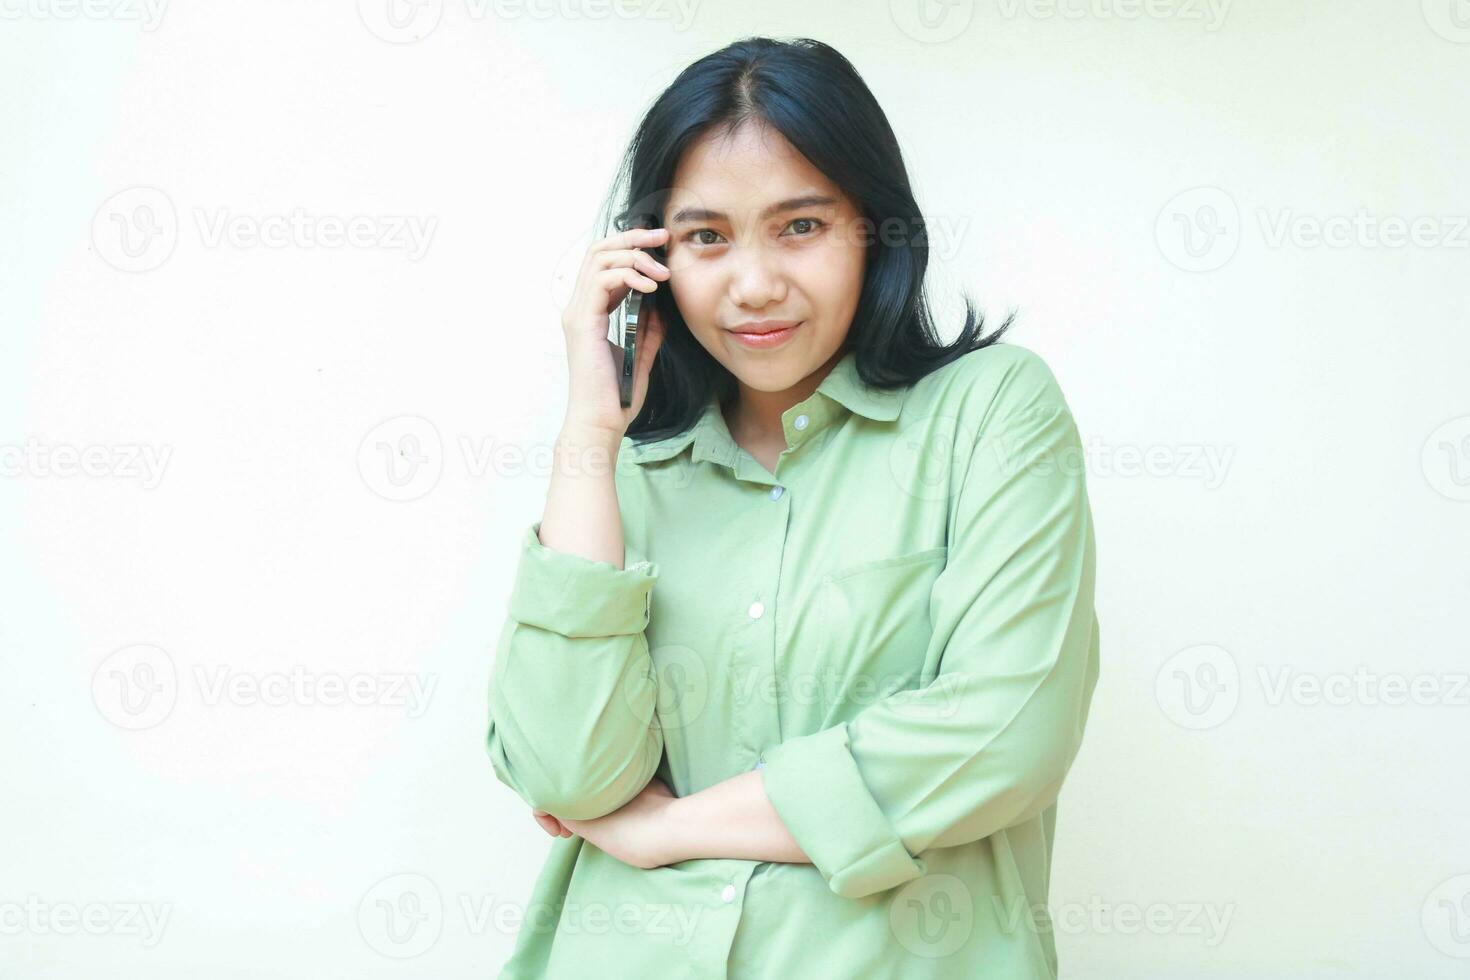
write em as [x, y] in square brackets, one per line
[551, 824]
[632, 238]
[633, 259]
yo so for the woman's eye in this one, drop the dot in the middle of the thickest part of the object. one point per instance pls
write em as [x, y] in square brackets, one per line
[813, 222]
[694, 236]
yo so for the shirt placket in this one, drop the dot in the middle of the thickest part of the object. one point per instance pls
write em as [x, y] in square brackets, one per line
[757, 725]
[760, 722]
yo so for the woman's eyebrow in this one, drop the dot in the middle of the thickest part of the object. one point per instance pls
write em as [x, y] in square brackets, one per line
[791, 204]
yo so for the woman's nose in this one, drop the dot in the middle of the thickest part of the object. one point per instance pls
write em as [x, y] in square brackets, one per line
[757, 280]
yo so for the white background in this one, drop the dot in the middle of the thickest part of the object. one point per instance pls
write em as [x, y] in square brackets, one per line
[1278, 432]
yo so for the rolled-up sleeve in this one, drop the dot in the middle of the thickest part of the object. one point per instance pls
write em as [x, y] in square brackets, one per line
[986, 744]
[573, 728]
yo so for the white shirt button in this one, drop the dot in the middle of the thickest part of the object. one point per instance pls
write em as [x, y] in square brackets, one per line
[800, 422]
[776, 492]
[757, 609]
[728, 894]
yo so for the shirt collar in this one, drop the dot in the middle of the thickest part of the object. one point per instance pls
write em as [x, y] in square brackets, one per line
[711, 435]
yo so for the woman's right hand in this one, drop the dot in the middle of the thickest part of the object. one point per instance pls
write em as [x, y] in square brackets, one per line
[612, 266]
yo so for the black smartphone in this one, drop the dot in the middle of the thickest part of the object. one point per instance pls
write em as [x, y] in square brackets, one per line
[627, 329]
[631, 313]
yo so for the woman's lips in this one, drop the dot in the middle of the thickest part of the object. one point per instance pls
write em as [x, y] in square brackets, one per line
[761, 341]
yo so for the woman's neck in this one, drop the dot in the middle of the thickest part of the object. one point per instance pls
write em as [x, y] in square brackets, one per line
[754, 419]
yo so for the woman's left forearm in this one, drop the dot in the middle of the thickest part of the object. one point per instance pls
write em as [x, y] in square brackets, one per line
[731, 819]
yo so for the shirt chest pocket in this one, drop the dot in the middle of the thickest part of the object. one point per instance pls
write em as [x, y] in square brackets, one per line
[874, 621]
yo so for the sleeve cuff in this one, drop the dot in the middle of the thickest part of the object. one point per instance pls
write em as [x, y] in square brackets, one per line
[574, 596]
[814, 784]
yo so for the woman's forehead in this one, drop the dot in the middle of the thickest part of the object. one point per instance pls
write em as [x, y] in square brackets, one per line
[752, 166]
[717, 194]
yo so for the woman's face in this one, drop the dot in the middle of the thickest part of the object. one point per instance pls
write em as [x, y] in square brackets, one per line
[756, 233]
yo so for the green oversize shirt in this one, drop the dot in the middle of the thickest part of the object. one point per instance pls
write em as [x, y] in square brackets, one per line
[896, 627]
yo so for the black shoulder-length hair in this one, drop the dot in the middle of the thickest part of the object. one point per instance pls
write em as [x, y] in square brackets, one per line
[814, 97]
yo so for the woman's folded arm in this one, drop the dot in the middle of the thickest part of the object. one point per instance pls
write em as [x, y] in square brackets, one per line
[573, 728]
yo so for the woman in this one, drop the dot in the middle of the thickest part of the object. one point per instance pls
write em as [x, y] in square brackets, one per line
[795, 683]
